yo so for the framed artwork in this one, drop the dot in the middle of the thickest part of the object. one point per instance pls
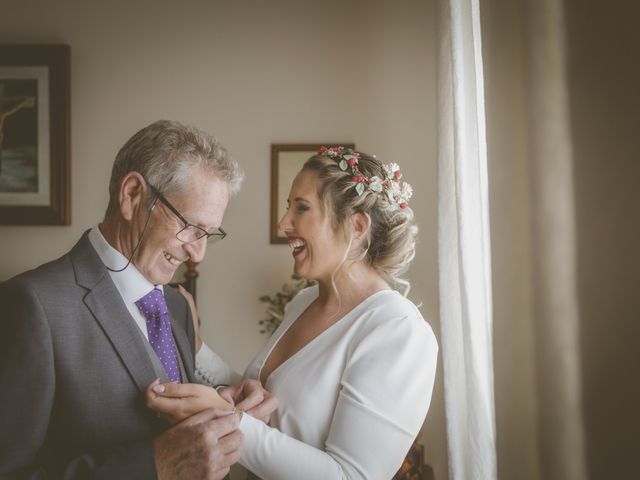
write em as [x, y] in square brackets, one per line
[34, 135]
[286, 162]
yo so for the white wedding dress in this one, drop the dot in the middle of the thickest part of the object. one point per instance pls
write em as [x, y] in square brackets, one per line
[351, 401]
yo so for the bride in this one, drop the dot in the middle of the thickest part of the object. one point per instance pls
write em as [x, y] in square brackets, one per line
[353, 362]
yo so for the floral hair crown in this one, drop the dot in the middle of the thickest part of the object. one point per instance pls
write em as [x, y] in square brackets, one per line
[347, 160]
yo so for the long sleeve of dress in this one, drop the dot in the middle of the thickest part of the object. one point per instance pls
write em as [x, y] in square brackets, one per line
[384, 394]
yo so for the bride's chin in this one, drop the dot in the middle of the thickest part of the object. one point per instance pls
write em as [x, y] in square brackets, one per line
[298, 270]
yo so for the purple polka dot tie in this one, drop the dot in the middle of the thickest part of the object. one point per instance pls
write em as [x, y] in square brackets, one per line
[155, 310]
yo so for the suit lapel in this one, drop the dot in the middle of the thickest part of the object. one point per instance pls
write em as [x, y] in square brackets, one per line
[109, 310]
[105, 303]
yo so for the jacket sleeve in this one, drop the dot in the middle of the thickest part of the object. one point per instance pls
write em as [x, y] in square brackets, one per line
[27, 382]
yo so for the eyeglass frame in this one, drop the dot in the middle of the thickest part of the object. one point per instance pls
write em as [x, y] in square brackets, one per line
[219, 235]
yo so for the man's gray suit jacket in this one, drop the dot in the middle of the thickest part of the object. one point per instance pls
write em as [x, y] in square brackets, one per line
[73, 369]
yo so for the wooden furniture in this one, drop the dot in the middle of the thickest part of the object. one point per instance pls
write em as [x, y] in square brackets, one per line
[190, 277]
[414, 467]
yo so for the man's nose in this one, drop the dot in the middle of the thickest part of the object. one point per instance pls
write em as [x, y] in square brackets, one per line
[196, 250]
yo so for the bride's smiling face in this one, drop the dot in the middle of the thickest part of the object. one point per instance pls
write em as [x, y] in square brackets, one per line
[317, 248]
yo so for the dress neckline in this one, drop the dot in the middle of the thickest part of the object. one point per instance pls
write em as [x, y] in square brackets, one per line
[314, 340]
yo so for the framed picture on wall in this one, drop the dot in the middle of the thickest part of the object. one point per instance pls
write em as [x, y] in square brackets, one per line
[286, 162]
[34, 135]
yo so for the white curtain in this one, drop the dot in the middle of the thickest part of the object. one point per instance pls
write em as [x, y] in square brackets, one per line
[464, 245]
[538, 380]
[561, 430]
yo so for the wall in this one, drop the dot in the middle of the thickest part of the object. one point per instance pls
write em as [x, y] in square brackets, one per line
[605, 105]
[252, 73]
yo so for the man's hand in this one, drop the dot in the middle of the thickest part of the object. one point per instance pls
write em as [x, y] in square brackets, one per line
[178, 401]
[249, 396]
[202, 446]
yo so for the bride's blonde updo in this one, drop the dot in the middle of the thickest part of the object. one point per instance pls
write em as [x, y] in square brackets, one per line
[390, 245]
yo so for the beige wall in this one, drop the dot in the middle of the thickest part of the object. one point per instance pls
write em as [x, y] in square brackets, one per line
[605, 105]
[252, 73]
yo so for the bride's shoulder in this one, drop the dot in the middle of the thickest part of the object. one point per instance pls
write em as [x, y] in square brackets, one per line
[390, 303]
[392, 312]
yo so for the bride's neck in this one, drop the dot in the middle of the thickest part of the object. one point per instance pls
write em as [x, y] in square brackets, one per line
[350, 286]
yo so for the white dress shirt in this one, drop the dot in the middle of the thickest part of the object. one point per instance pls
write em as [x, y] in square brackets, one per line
[212, 370]
[131, 284]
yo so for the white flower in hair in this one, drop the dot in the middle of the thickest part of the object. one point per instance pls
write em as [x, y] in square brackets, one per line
[347, 160]
[405, 194]
[375, 184]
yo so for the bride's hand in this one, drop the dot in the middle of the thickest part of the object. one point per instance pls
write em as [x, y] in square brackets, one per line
[177, 401]
[194, 314]
[249, 396]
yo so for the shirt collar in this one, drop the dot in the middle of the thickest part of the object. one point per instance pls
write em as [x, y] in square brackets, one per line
[131, 283]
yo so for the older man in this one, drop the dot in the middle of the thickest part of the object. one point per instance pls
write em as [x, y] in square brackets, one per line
[84, 335]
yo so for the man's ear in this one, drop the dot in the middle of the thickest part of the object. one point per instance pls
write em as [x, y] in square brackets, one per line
[132, 189]
[360, 224]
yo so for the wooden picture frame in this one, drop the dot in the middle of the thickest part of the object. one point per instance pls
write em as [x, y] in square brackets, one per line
[286, 161]
[35, 135]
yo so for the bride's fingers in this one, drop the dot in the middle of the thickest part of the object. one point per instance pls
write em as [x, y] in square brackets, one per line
[253, 396]
[227, 394]
[264, 410]
[265, 420]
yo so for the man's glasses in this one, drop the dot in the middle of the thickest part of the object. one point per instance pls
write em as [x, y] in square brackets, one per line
[190, 232]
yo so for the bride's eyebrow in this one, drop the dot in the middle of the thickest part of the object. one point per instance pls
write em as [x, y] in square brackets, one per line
[298, 200]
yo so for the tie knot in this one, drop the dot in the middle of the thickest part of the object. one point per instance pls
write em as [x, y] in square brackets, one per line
[153, 305]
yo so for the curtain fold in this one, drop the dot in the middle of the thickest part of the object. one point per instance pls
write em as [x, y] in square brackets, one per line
[464, 244]
[539, 392]
[556, 313]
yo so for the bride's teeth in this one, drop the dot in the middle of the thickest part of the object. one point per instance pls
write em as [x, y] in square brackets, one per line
[297, 244]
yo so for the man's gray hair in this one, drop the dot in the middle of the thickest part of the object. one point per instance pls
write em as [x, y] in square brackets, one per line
[166, 153]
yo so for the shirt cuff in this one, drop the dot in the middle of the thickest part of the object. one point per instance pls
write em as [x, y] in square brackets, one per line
[212, 370]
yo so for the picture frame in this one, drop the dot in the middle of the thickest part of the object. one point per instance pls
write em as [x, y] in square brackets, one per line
[286, 161]
[35, 135]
